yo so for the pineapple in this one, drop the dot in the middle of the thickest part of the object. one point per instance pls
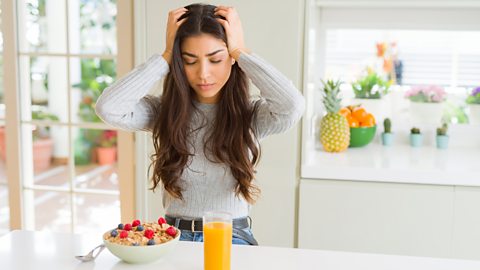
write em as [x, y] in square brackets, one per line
[334, 129]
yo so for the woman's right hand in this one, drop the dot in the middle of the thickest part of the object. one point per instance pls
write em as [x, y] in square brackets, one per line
[172, 26]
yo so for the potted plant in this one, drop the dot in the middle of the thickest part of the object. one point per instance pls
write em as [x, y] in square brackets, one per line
[42, 141]
[369, 91]
[107, 147]
[442, 137]
[415, 137]
[96, 76]
[473, 101]
[426, 103]
[387, 135]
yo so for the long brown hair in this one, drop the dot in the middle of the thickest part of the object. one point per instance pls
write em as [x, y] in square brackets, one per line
[231, 141]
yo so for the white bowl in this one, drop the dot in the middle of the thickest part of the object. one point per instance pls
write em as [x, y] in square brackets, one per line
[142, 254]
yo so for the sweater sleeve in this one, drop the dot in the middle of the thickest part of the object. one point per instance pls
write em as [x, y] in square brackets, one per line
[281, 104]
[123, 104]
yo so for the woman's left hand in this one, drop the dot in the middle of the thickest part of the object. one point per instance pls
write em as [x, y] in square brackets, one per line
[233, 29]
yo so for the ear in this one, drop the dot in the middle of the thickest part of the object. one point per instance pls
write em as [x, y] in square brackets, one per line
[233, 61]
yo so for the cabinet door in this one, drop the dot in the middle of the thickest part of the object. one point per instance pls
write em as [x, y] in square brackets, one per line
[376, 217]
[466, 224]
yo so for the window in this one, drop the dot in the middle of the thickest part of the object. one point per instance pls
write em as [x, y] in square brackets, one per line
[448, 58]
[67, 53]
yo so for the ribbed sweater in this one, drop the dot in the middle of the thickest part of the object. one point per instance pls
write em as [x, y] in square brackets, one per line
[206, 185]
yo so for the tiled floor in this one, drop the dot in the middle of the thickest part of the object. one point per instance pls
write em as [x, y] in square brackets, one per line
[92, 212]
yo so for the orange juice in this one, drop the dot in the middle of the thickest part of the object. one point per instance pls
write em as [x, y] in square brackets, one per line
[217, 237]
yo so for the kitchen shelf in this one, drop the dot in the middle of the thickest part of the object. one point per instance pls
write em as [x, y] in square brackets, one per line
[457, 166]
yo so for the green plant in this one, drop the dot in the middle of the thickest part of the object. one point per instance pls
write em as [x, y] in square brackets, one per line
[40, 113]
[474, 97]
[371, 86]
[97, 74]
[415, 130]
[442, 131]
[387, 125]
[108, 138]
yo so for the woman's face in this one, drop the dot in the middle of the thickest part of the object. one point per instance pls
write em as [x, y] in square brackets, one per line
[207, 66]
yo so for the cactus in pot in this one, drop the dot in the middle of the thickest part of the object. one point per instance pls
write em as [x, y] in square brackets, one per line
[442, 137]
[387, 135]
[415, 137]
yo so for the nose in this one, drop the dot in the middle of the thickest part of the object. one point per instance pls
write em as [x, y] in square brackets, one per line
[204, 70]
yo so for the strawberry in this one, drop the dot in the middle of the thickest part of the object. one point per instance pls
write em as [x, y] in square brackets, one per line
[171, 231]
[127, 227]
[148, 234]
[135, 223]
[123, 234]
[161, 221]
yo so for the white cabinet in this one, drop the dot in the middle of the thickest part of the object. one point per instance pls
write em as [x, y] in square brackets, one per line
[466, 223]
[404, 219]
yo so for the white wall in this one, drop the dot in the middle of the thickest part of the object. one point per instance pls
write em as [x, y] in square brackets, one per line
[275, 32]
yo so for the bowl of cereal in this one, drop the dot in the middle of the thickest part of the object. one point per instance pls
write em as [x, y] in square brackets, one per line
[141, 242]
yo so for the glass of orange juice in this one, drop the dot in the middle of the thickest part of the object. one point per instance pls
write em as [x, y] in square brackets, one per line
[217, 238]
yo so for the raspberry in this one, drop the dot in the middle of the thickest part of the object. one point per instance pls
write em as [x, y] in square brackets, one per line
[151, 242]
[171, 231]
[120, 226]
[127, 227]
[139, 228]
[148, 234]
[123, 234]
[114, 233]
[161, 221]
[135, 223]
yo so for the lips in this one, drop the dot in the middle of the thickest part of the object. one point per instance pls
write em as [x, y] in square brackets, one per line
[205, 86]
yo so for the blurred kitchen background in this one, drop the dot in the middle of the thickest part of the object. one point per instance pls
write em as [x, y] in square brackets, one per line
[63, 170]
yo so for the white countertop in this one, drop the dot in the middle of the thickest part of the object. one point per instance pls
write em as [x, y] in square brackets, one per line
[42, 250]
[456, 166]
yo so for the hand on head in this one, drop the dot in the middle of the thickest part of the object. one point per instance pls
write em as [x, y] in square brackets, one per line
[230, 22]
[233, 29]
[173, 24]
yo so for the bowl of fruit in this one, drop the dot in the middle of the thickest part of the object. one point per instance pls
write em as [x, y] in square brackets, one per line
[362, 125]
[139, 242]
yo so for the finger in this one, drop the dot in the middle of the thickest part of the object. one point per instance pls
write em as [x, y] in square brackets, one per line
[224, 23]
[179, 15]
[224, 8]
[223, 13]
[175, 14]
[180, 22]
[179, 10]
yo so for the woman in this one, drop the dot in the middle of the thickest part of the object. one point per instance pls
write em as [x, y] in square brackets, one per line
[205, 127]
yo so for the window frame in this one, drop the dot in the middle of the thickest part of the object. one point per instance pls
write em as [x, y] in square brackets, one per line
[13, 122]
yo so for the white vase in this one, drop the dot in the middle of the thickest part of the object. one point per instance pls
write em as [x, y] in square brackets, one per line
[378, 107]
[474, 116]
[425, 113]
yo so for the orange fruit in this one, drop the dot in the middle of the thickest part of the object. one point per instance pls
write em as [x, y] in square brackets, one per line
[352, 122]
[368, 121]
[345, 111]
[359, 113]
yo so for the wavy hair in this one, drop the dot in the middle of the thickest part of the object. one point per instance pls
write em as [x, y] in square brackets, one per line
[231, 141]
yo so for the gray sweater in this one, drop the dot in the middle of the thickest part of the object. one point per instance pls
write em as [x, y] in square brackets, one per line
[207, 186]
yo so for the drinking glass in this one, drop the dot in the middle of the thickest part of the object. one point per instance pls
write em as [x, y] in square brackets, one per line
[217, 237]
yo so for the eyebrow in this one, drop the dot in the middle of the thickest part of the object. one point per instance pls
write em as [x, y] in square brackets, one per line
[208, 54]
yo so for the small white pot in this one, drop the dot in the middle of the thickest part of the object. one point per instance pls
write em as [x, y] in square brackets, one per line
[425, 113]
[474, 116]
